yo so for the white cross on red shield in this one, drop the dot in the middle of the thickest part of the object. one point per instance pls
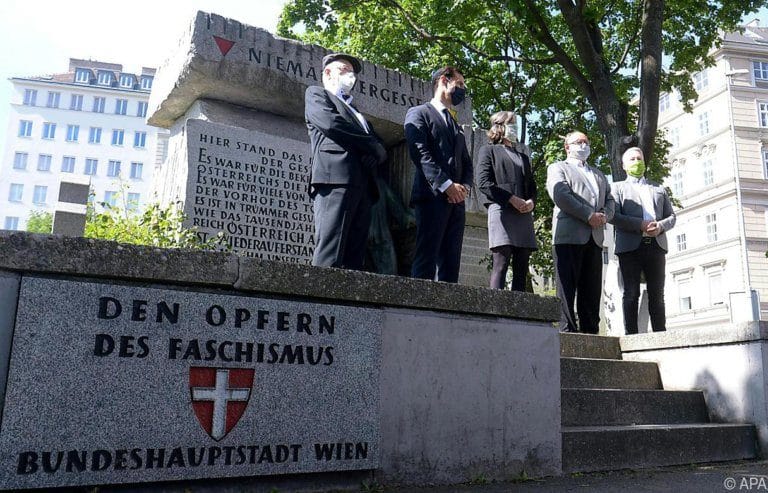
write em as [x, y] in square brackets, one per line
[219, 397]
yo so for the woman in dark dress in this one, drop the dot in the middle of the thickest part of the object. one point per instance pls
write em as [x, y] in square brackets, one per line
[505, 179]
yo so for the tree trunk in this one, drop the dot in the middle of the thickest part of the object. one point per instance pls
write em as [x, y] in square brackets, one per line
[650, 75]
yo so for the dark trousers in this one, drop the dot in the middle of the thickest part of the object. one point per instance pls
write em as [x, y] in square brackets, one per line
[579, 276]
[439, 235]
[502, 256]
[649, 259]
[342, 219]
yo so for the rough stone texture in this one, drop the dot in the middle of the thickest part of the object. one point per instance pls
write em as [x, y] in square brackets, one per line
[20, 251]
[602, 448]
[74, 190]
[95, 258]
[608, 374]
[269, 73]
[727, 362]
[461, 400]
[9, 290]
[589, 346]
[603, 407]
[65, 394]
[363, 287]
[68, 223]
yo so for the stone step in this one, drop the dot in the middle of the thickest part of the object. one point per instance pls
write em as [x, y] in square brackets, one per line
[590, 373]
[602, 407]
[603, 448]
[589, 346]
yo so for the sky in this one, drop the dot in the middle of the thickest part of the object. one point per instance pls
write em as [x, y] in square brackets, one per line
[38, 37]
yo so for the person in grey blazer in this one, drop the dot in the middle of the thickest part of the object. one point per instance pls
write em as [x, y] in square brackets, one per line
[583, 204]
[505, 179]
[643, 216]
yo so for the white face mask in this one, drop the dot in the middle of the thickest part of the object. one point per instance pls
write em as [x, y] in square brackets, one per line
[579, 151]
[346, 81]
[510, 132]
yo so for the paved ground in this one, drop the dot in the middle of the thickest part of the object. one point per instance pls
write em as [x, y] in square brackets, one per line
[722, 477]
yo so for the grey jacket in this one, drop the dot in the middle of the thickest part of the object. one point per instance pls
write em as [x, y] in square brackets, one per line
[629, 215]
[572, 195]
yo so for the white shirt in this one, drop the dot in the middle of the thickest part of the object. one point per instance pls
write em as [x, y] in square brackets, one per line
[440, 107]
[348, 101]
[646, 197]
[588, 175]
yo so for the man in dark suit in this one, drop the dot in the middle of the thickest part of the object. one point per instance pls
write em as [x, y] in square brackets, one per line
[643, 216]
[443, 178]
[345, 152]
[583, 204]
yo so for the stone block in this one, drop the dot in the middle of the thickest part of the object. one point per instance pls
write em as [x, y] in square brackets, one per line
[112, 383]
[74, 189]
[9, 296]
[69, 219]
[223, 59]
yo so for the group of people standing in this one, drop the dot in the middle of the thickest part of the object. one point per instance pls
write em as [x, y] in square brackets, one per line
[346, 152]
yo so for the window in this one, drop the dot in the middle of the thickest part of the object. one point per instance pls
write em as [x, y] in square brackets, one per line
[707, 172]
[673, 135]
[98, 104]
[105, 79]
[44, 162]
[20, 160]
[39, 194]
[25, 128]
[760, 70]
[110, 198]
[11, 223]
[711, 221]
[117, 137]
[677, 183]
[140, 139]
[765, 163]
[133, 201]
[681, 243]
[94, 135]
[700, 80]
[121, 106]
[30, 97]
[704, 123]
[53, 99]
[762, 112]
[49, 130]
[82, 75]
[68, 164]
[716, 294]
[73, 131]
[684, 294]
[113, 168]
[126, 80]
[663, 103]
[146, 82]
[142, 109]
[90, 166]
[136, 170]
[76, 102]
[16, 192]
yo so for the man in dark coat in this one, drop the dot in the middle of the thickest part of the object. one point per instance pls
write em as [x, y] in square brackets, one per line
[443, 178]
[345, 153]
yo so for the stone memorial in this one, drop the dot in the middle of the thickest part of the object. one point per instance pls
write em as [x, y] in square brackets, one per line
[233, 97]
[149, 384]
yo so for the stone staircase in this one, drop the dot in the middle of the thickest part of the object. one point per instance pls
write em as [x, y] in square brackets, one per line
[616, 414]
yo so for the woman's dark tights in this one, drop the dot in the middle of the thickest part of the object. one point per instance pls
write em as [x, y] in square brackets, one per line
[501, 257]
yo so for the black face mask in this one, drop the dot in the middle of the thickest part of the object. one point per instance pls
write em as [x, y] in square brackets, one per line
[458, 95]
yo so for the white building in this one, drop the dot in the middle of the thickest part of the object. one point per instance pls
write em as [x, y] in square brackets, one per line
[716, 267]
[89, 121]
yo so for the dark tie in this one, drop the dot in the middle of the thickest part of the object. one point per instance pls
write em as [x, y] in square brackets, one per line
[450, 121]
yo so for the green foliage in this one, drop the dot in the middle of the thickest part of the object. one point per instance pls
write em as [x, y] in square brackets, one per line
[478, 479]
[157, 226]
[372, 487]
[40, 222]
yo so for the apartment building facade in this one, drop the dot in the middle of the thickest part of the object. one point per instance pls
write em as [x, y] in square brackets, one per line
[89, 121]
[717, 268]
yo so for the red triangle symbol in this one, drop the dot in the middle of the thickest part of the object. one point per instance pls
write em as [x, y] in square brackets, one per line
[224, 45]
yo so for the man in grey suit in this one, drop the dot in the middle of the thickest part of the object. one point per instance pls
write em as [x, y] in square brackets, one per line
[643, 216]
[583, 204]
